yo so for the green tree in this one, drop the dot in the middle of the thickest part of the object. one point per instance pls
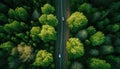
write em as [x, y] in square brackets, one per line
[82, 34]
[77, 21]
[91, 30]
[113, 28]
[102, 24]
[34, 32]
[48, 33]
[107, 49]
[97, 39]
[75, 3]
[95, 63]
[85, 8]
[19, 13]
[7, 46]
[114, 61]
[76, 65]
[75, 48]
[47, 9]
[15, 26]
[43, 58]
[11, 13]
[49, 20]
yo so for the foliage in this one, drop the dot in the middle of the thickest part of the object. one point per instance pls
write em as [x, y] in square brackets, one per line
[23, 52]
[114, 61]
[96, 63]
[77, 21]
[22, 34]
[19, 13]
[85, 7]
[97, 39]
[47, 9]
[82, 34]
[48, 33]
[94, 52]
[75, 48]
[107, 49]
[34, 33]
[102, 24]
[113, 28]
[28, 28]
[91, 30]
[15, 26]
[75, 3]
[48, 19]
[7, 46]
[77, 65]
[43, 58]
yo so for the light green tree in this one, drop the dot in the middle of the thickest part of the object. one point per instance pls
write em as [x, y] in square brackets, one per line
[7, 46]
[75, 48]
[48, 33]
[49, 20]
[77, 21]
[34, 32]
[43, 58]
[47, 9]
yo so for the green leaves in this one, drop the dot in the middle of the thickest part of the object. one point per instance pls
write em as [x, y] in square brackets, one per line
[77, 21]
[47, 9]
[95, 63]
[85, 8]
[7, 46]
[48, 19]
[43, 58]
[15, 26]
[48, 33]
[34, 32]
[97, 39]
[19, 13]
[75, 48]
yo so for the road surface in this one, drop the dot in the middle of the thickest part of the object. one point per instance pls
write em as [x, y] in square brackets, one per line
[61, 39]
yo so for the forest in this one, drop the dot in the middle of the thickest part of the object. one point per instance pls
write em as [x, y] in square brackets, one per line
[29, 30]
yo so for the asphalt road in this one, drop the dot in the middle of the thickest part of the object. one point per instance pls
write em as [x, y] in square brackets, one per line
[61, 38]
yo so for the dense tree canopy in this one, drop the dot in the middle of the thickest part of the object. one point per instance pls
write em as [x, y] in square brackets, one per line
[75, 48]
[47, 9]
[98, 64]
[19, 13]
[34, 33]
[43, 58]
[49, 20]
[77, 21]
[48, 33]
[29, 31]
[97, 39]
